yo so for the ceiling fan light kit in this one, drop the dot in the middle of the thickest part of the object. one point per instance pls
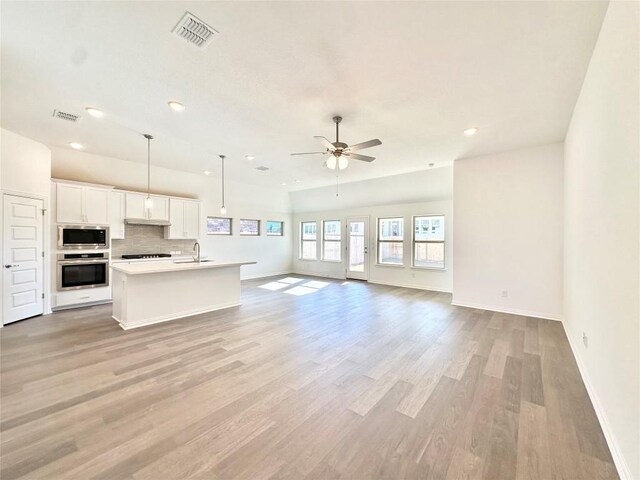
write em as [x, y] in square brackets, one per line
[340, 152]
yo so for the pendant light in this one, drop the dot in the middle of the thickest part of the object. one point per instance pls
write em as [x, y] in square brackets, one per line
[223, 208]
[148, 202]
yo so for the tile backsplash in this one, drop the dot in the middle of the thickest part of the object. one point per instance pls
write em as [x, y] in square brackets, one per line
[148, 239]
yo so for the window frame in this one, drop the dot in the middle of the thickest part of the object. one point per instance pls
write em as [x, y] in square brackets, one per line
[302, 240]
[281, 234]
[339, 241]
[379, 242]
[257, 234]
[220, 218]
[414, 242]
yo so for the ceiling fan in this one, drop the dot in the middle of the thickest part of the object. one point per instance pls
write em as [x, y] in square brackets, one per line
[340, 152]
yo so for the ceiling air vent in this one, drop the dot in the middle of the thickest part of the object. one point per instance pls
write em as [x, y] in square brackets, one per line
[262, 168]
[69, 117]
[193, 30]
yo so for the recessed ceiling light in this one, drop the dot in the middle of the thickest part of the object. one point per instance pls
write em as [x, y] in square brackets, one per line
[177, 106]
[207, 172]
[94, 112]
[471, 131]
[283, 183]
[298, 181]
[249, 157]
[76, 145]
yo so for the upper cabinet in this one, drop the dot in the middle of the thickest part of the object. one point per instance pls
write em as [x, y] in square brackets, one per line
[135, 207]
[80, 204]
[116, 215]
[184, 216]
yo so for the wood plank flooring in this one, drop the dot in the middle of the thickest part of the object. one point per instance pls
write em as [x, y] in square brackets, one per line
[351, 381]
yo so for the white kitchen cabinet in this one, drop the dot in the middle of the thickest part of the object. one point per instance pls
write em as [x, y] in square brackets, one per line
[184, 216]
[135, 207]
[80, 204]
[96, 205]
[192, 219]
[117, 215]
[69, 203]
[160, 208]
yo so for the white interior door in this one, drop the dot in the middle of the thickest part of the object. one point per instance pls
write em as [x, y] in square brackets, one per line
[358, 248]
[22, 259]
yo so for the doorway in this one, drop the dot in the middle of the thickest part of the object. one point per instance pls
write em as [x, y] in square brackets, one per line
[22, 258]
[358, 248]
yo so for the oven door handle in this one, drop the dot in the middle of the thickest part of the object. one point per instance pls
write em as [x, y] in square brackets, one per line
[82, 262]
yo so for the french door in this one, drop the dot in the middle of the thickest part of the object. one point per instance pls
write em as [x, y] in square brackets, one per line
[358, 248]
[22, 261]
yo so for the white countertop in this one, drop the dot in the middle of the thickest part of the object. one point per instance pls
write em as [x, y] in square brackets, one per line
[147, 260]
[164, 267]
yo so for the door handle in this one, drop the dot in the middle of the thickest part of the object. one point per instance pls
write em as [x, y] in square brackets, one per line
[9, 266]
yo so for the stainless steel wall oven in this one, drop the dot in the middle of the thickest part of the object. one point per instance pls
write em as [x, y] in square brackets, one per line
[82, 270]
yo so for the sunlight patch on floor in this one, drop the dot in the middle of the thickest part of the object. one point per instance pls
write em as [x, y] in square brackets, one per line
[291, 280]
[300, 290]
[316, 284]
[274, 286]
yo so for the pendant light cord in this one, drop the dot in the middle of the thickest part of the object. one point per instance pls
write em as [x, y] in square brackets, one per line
[222, 158]
[149, 138]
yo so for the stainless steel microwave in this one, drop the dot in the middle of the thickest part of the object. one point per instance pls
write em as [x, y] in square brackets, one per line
[83, 237]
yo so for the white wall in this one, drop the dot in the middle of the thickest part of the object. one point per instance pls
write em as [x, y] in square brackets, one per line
[273, 254]
[25, 165]
[508, 226]
[602, 233]
[423, 186]
[25, 168]
[380, 198]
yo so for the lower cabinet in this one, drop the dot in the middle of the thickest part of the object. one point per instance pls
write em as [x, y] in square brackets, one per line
[81, 296]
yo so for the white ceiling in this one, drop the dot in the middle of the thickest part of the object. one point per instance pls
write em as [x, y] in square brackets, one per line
[412, 74]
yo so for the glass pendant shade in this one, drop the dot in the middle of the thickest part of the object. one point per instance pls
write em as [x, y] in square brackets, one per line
[331, 162]
[343, 162]
[148, 203]
[223, 210]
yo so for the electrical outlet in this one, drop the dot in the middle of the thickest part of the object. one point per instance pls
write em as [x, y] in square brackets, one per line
[585, 340]
[505, 293]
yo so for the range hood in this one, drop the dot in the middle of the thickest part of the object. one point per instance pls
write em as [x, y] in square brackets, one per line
[147, 221]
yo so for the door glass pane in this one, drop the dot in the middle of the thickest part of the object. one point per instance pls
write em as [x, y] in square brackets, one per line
[390, 253]
[356, 246]
[429, 255]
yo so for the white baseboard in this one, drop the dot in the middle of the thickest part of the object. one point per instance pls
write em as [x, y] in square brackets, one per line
[513, 311]
[265, 275]
[408, 285]
[621, 465]
[166, 318]
[319, 275]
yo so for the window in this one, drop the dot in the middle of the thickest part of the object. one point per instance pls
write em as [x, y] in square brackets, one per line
[275, 228]
[331, 236]
[308, 240]
[390, 236]
[249, 227]
[218, 226]
[428, 241]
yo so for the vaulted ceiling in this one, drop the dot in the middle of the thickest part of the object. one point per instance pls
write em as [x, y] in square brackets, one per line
[413, 74]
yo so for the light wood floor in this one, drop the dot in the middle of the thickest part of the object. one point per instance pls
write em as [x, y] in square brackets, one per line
[354, 381]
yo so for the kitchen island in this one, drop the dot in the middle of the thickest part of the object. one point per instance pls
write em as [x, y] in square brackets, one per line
[154, 292]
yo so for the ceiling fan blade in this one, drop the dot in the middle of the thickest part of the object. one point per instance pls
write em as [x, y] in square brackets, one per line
[326, 143]
[360, 146]
[309, 153]
[357, 156]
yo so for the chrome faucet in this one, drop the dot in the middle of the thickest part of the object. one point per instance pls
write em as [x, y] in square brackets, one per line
[196, 248]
